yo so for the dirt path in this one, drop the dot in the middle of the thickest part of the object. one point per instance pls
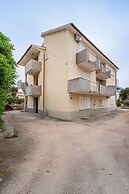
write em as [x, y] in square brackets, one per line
[55, 157]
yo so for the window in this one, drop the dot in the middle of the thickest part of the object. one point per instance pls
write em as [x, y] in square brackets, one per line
[111, 101]
[92, 57]
[80, 103]
[87, 103]
[101, 102]
[82, 47]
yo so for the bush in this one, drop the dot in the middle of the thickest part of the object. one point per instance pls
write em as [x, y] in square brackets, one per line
[20, 106]
[10, 99]
[1, 122]
[126, 103]
[118, 102]
[7, 70]
[19, 100]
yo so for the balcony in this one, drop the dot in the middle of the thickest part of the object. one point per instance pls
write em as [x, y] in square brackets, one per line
[33, 90]
[84, 86]
[33, 67]
[84, 59]
[103, 73]
[107, 90]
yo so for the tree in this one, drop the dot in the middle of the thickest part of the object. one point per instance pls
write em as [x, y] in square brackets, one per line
[11, 98]
[124, 94]
[7, 70]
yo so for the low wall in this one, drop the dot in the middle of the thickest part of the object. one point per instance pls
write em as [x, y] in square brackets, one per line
[73, 115]
[78, 114]
[40, 112]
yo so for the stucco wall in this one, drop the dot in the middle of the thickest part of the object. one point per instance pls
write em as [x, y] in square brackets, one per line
[30, 80]
[30, 102]
[40, 81]
[61, 67]
[56, 70]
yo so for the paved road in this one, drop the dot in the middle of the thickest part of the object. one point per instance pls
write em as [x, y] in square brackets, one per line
[55, 157]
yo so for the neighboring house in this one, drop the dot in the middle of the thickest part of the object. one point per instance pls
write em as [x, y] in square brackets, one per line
[20, 93]
[68, 77]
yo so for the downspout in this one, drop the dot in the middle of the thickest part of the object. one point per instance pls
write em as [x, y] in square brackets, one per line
[43, 83]
[25, 102]
[115, 85]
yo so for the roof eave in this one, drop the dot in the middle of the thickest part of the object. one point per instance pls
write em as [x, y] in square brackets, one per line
[24, 55]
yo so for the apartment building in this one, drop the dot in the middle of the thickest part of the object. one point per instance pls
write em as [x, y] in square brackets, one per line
[68, 77]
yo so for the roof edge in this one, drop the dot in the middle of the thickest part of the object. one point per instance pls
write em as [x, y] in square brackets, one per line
[57, 29]
[32, 45]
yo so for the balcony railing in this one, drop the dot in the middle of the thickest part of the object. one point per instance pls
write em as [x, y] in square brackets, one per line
[33, 90]
[84, 86]
[83, 59]
[103, 73]
[33, 67]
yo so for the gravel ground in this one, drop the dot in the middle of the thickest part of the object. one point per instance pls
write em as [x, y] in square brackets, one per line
[89, 156]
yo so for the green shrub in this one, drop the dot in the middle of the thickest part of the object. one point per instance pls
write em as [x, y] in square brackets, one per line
[7, 71]
[118, 102]
[10, 99]
[126, 103]
[19, 100]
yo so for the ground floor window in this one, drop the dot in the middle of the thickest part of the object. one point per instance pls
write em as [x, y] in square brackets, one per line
[101, 102]
[80, 103]
[87, 103]
[111, 101]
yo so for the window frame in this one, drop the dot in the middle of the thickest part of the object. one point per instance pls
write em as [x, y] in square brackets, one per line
[81, 103]
[101, 105]
[85, 99]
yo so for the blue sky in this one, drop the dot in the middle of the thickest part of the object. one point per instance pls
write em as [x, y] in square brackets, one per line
[105, 23]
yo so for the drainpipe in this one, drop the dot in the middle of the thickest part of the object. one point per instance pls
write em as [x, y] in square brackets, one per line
[43, 82]
[115, 84]
[25, 102]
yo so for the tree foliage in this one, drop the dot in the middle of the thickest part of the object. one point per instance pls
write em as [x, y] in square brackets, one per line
[124, 94]
[12, 98]
[7, 69]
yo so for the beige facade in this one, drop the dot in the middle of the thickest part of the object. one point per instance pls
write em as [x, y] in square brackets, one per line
[68, 77]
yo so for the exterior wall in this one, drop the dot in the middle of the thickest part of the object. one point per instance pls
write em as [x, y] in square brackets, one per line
[60, 66]
[56, 66]
[111, 81]
[78, 114]
[74, 71]
[30, 102]
[40, 82]
[30, 98]
[74, 102]
[30, 79]
[89, 112]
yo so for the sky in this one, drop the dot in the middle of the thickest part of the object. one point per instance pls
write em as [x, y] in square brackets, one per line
[105, 23]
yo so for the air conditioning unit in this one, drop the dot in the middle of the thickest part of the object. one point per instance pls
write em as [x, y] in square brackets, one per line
[77, 37]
